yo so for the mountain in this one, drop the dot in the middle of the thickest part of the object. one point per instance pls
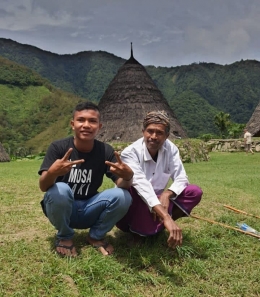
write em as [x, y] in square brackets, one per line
[195, 92]
[86, 74]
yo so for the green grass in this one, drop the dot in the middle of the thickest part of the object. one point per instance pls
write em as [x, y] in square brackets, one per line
[213, 261]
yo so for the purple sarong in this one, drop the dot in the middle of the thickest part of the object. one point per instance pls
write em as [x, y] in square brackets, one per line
[140, 220]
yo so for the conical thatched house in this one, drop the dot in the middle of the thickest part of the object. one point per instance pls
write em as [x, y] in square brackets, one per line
[130, 95]
[253, 125]
[4, 157]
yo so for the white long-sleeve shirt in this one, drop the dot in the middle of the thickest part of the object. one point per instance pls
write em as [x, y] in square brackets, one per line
[150, 177]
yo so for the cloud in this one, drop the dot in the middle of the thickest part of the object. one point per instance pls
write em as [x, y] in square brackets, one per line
[163, 32]
[20, 19]
[4, 13]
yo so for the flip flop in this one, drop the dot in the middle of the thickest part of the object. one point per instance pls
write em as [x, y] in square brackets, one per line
[103, 244]
[67, 247]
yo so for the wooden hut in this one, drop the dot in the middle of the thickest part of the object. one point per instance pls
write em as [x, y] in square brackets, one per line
[253, 125]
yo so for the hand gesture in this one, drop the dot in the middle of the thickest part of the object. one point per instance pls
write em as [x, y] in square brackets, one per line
[120, 169]
[62, 166]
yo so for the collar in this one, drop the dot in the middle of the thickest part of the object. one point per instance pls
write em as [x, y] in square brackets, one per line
[147, 156]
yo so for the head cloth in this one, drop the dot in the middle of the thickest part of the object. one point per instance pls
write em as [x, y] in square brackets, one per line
[157, 117]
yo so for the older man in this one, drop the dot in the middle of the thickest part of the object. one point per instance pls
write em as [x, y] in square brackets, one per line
[154, 160]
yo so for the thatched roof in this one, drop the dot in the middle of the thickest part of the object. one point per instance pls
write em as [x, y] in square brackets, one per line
[253, 125]
[4, 157]
[130, 95]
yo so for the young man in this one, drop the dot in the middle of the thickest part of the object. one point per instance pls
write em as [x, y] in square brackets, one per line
[71, 174]
[248, 141]
[154, 160]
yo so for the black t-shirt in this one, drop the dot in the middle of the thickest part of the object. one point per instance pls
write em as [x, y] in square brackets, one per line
[84, 179]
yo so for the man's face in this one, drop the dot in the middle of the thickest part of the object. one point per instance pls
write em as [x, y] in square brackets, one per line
[86, 124]
[154, 137]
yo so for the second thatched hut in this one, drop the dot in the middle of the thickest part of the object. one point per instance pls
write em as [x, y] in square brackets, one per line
[4, 157]
[253, 124]
[130, 95]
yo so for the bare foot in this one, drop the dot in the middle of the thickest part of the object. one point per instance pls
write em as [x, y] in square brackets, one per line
[104, 247]
[65, 248]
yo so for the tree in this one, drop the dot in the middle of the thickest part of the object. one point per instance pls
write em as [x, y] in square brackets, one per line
[222, 121]
[235, 130]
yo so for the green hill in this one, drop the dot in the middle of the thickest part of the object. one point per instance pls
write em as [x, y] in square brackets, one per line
[29, 105]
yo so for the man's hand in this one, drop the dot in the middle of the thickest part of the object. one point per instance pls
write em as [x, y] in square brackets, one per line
[175, 237]
[59, 168]
[120, 169]
[62, 166]
[175, 233]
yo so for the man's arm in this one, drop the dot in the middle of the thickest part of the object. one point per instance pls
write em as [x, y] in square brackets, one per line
[46, 180]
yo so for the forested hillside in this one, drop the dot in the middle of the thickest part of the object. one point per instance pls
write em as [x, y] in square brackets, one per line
[198, 91]
[30, 105]
[195, 92]
[86, 74]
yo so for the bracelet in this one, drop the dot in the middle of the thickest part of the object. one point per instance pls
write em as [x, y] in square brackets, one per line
[128, 179]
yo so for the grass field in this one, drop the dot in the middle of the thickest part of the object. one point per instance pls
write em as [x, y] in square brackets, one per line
[213, 261]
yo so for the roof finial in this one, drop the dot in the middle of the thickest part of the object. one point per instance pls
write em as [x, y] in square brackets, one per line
[132, 60]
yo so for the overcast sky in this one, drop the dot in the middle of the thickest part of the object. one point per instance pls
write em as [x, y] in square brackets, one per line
[163, 32]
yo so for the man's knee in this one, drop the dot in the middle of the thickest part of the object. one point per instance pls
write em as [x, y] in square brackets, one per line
[122, 198]
[194, 190]
[192, 195]
[59, 195]
[128, 198]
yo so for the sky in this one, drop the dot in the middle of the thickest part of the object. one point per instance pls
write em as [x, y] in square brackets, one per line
[163, 32]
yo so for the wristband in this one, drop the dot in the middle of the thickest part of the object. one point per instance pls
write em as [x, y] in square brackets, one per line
[128, 179]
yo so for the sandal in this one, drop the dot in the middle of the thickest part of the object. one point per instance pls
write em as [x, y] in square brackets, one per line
[103, 246]
[64, 246]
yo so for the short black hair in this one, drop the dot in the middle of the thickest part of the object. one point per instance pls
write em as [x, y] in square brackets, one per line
[86, 105]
